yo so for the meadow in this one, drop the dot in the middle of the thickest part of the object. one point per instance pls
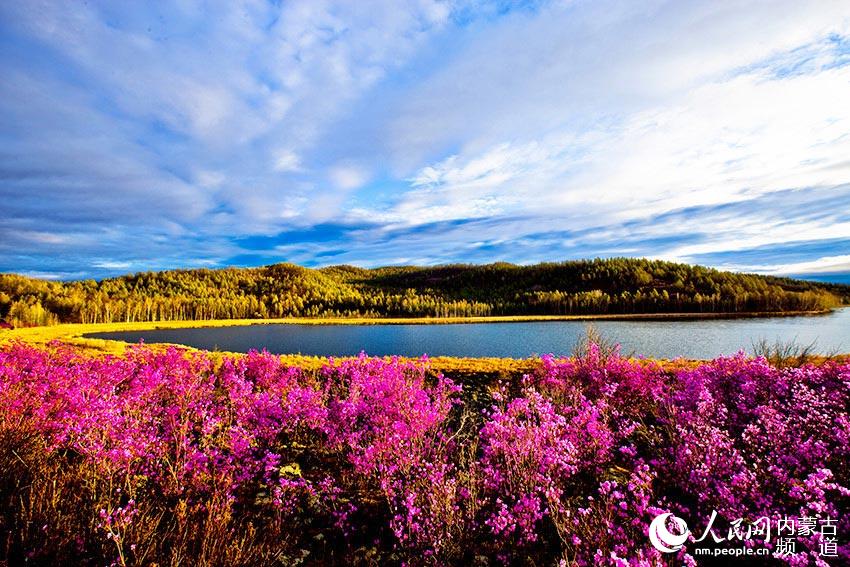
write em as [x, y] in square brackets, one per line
[167, 456]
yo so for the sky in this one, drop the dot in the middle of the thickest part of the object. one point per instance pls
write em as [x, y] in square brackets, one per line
[141, 136]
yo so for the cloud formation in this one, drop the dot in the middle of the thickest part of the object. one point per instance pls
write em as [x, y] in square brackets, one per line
[428, 131]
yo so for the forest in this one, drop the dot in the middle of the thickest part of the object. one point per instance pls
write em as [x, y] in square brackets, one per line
[600, 286]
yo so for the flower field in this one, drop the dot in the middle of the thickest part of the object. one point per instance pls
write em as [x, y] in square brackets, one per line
[175, 457]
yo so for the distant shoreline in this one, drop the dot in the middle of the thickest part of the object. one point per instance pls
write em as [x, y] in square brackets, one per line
[152, 325]
[83, 330]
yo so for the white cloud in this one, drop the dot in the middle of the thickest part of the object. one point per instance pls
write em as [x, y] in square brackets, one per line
[591, 62]
[111, 265]
[41, 237]
[634, 115]
[822, 265]
[287, 160]
[45, 275]
[223, 87]
[348, 176]
[743, 234]
[248, 118]
[210, 178]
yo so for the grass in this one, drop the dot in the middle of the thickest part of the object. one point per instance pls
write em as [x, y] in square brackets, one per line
[790, 353]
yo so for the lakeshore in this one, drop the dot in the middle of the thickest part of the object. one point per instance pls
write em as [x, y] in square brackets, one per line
[81, 335]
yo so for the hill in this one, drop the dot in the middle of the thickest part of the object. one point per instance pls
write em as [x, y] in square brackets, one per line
[601, 286]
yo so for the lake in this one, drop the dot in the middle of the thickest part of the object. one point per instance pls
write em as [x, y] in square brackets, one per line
[705, 338]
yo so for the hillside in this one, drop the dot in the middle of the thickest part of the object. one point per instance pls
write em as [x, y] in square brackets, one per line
[610, 286]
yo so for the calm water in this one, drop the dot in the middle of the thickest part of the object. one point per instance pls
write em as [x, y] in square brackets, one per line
[662, 339]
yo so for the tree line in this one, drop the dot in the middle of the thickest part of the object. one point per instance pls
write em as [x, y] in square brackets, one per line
[601, 286]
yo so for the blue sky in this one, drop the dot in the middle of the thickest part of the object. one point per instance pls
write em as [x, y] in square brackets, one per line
[144, 136]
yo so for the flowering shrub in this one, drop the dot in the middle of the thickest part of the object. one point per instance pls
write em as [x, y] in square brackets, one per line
[529, 456]
[391, 425]
[170, 456]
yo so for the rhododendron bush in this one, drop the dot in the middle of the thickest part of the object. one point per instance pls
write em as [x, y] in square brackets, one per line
[173, 457]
